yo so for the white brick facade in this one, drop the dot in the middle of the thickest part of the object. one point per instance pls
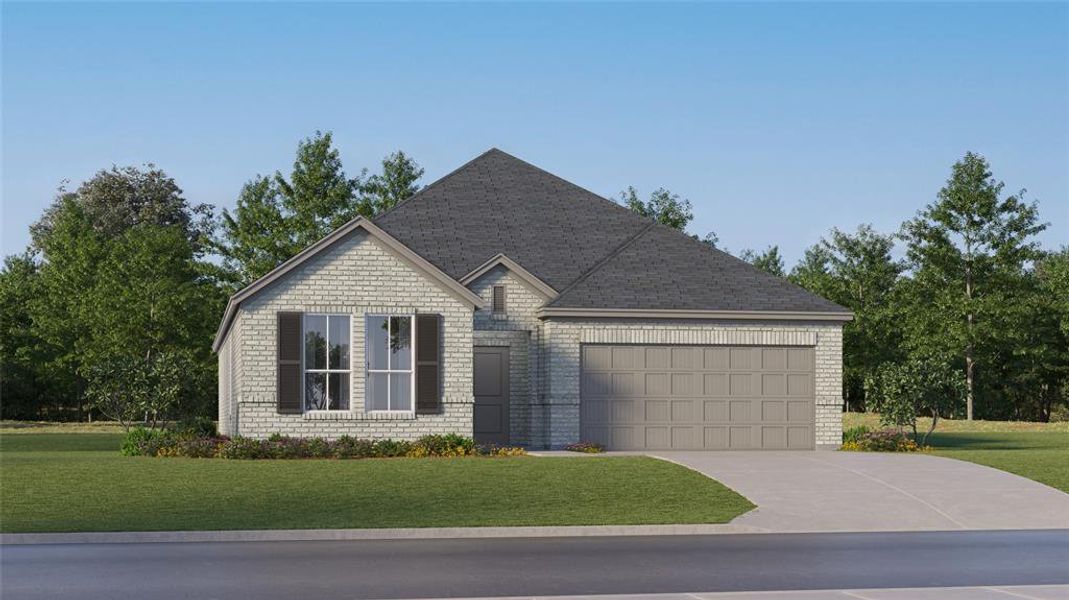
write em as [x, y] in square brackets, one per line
[359, 276]
[356, 277]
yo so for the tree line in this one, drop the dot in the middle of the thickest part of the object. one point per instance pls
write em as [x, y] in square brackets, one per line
[111, 310]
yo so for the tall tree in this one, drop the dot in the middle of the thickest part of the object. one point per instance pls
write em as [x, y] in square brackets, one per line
[397, 181]
[966, 252]
[122, 197]
[856, 270]
[768, 261]
[663, 206]
[88, 289]
[277, 217]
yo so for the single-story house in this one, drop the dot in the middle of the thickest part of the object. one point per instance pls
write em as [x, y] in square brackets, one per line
[505, 303]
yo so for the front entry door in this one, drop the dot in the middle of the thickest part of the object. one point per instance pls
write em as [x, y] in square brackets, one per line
[491, 414]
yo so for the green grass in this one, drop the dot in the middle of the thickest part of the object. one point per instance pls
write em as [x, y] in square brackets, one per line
[79, 482]
[1040, 456]
[1038, 451]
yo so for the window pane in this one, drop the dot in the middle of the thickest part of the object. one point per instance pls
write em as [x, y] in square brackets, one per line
[315, 342]
[377, 395]
[339, 342]
[400, 391]
[339, 391]
[315, 391]
[400, 343]
[377, 343]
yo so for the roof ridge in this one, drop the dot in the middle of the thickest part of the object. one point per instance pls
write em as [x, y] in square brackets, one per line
[566, 182]
[601, 262]
[433, 183]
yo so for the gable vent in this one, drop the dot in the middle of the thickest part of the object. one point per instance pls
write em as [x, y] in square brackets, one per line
[498, 303]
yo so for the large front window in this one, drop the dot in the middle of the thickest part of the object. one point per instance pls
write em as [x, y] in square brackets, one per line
[389, 364]
[326, 362]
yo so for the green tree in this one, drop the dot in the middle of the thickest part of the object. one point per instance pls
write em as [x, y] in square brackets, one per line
[663, 206]
[768, 261]
[122, 197]
[108, 280]
[913, 388]
[856, 270]
[25, 387]
[397, 181]
[966, 253]
[150, 300]
[277, 217]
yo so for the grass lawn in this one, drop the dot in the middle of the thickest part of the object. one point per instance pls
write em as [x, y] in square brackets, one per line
[79, 482]
[1038, 451]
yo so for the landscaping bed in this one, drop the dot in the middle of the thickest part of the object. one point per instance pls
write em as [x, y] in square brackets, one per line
[79, 482]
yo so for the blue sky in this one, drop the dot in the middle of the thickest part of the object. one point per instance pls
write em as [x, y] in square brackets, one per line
[778, 121]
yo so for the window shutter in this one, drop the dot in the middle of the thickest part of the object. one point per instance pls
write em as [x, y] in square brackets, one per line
[289, 363]
[428, 364]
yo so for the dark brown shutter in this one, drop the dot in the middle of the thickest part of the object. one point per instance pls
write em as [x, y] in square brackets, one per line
[428, 364]
[289, 362]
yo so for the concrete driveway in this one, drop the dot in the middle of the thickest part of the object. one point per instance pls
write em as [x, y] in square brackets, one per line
[853, 491]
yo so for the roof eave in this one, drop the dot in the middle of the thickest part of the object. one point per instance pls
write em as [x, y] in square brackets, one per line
[747, 315]
[403, 252]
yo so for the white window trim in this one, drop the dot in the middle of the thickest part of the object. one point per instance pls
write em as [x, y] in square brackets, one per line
[328, 370]
[411, 369]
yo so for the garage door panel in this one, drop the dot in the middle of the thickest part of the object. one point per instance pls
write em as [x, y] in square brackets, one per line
[657, 438]
[658, 410]
[773, 410]
[716, 359]
[740, 384]
[799, 411]
[697, 397]
[683, 411]
[657, 384]
[739, 411]
[716, 411]
[716, 384]
[799, 438]
[685, 384]
[799, 385]
[739, 438]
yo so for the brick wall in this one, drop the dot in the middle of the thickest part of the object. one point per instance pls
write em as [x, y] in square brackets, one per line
[357, 276]
[521, 330]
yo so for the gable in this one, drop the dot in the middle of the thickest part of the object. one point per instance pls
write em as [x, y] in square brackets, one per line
[329, 255]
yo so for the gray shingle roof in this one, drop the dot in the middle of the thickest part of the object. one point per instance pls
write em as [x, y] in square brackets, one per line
[663, 269]
[595, 252]
[500, 204]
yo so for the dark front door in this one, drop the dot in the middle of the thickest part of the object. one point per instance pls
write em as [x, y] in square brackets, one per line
[491, 413]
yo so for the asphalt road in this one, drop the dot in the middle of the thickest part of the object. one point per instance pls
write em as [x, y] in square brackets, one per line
[543, 566]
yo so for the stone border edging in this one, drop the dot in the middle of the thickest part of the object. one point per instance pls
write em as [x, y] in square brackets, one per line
[308, 535]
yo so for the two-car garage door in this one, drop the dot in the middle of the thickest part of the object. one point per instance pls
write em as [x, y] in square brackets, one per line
[697, 397]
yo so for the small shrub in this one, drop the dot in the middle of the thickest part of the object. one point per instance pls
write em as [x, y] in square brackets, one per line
[317, 448]
[585, 447]
[242, 448]
[350, 447]
[884, 440]
[446, 445]
[141, 441]
[194, 448]
[854, 434]
[392, 448]
[502, 451]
